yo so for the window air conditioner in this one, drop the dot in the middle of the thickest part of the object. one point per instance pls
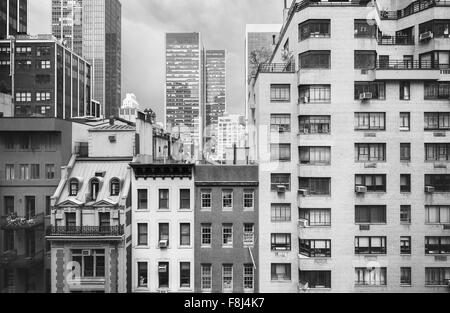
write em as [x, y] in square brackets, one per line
[162, 269]
[163, 244]
[281, 189]
[429, 189]
[364, 227]
[305, 100]
[86, 252]
[306, 131]
[112, 139]
[303, 223]
[281, 129]
[303, 192]
[426, 36]
[365, 96]
[361, 189]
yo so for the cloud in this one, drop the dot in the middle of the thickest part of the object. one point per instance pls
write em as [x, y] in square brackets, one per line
[145, 22]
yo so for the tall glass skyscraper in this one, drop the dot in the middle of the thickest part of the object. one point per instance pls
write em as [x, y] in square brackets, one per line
[13, 17]
[98, 39]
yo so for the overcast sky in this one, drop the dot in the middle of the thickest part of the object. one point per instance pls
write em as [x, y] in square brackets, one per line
[144, 23]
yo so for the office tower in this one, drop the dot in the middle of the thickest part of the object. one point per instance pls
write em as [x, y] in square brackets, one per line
[215, 80]
[13, 17]
[47, 79]
[67, 23]
[260, 41]
[99, 39]
[231, 134]
[129, 108]
[353, 152]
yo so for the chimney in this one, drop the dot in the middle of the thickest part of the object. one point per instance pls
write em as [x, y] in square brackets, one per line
[111, 120]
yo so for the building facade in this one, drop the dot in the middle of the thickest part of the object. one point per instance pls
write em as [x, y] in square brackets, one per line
[231, 134]
[45, 79]
[226, 229]
[129, 108]
[372, 194]
[32, 153]
[13, 17]
[94, 27]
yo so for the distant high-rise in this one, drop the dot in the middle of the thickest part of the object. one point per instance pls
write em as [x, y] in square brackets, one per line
[99, 41]
[13, 17]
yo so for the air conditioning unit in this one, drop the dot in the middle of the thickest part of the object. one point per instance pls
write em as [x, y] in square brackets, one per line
[163, 244]
[162, 269]
[303, 223]
[282, 129]
[86, 253]
[112, 139]
[364, 227]
[364, 72]
[305, 99]
[303, 192]
[429, 189]
[306, 131]
[426, 36]
[365, 96]
[361, 189]
[281, 189]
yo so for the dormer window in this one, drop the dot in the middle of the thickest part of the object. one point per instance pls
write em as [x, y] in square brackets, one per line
[115, 187]
[74, 187]
[95, 187]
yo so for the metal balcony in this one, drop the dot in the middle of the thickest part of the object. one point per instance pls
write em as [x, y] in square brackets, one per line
[85, 231]
[396, 40]
[413, 8]
[277, 68]
[407, 69]
[14, 222]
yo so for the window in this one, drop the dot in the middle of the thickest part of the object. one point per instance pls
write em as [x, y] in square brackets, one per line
[280, 271]
[280, 152]
[206, 199]
[441, 183]
[9, 205]
[24, 142]
[164, 233]
[281, 242]
[43, 96]
[95, 187]
[142, 199]
[163, 274]
[44, 64]
[48, 205]
[370, 152]
[405, 245]
[227, 200]
[164, 199]
[314, 29]
[371, 276]
[227, 235]
[437, 276]
[405, 183]
[405, 276]
[405, 152]
[280, 180]
[373, 183]
[8, 240]
[315, 279]
[227, 278]
[249, 235]
[206, 277]
[370, 245]
[365, 29]
[405, 214]
[405, 91]
[248, 278]
[249, 200]
[92, 264]
[437, 90]
[370, 121]
[280, 123]
[315, 155]
[315, 124]
[377, 89]
[206, 233]
[73, 187]
[30, 207]
[9, 143]
[405, 121]
[280, 212]
[370, 214]
[24, 171]
[315, 60]
[315, 248]
[104, 221]
[437, 152]
[314, 93]
[437, 214]
[316, 186]
[316, 217]
[185, 234]
[23, 97]
[115, 187]
[142, 274]
[439, 28]
[10, 172]
[35, 174]
[280, 93]
[437, 245]
[50, 171]
[185, 199]
[142, 234]
[185, 275]
[365, 60]
[437, 121]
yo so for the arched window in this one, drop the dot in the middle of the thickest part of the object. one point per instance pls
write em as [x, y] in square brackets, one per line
[95, 187]
[115, 187]
[74, 187]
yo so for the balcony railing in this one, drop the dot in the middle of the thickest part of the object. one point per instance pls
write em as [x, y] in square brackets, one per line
[395, 40]
[85, 231]
[14, 222]
[413, 8]
[407, 65]
[277, 68]
[10, 259]
[311, 3]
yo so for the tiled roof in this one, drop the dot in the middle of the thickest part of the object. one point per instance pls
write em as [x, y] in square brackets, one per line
[114, 128]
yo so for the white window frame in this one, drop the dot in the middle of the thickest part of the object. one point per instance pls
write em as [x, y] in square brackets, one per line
[226, 276]
[202, 228]
[247, 276]
[202, 198]
[227, 227]
[225, 193]
[252, 194]
[203, 277]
